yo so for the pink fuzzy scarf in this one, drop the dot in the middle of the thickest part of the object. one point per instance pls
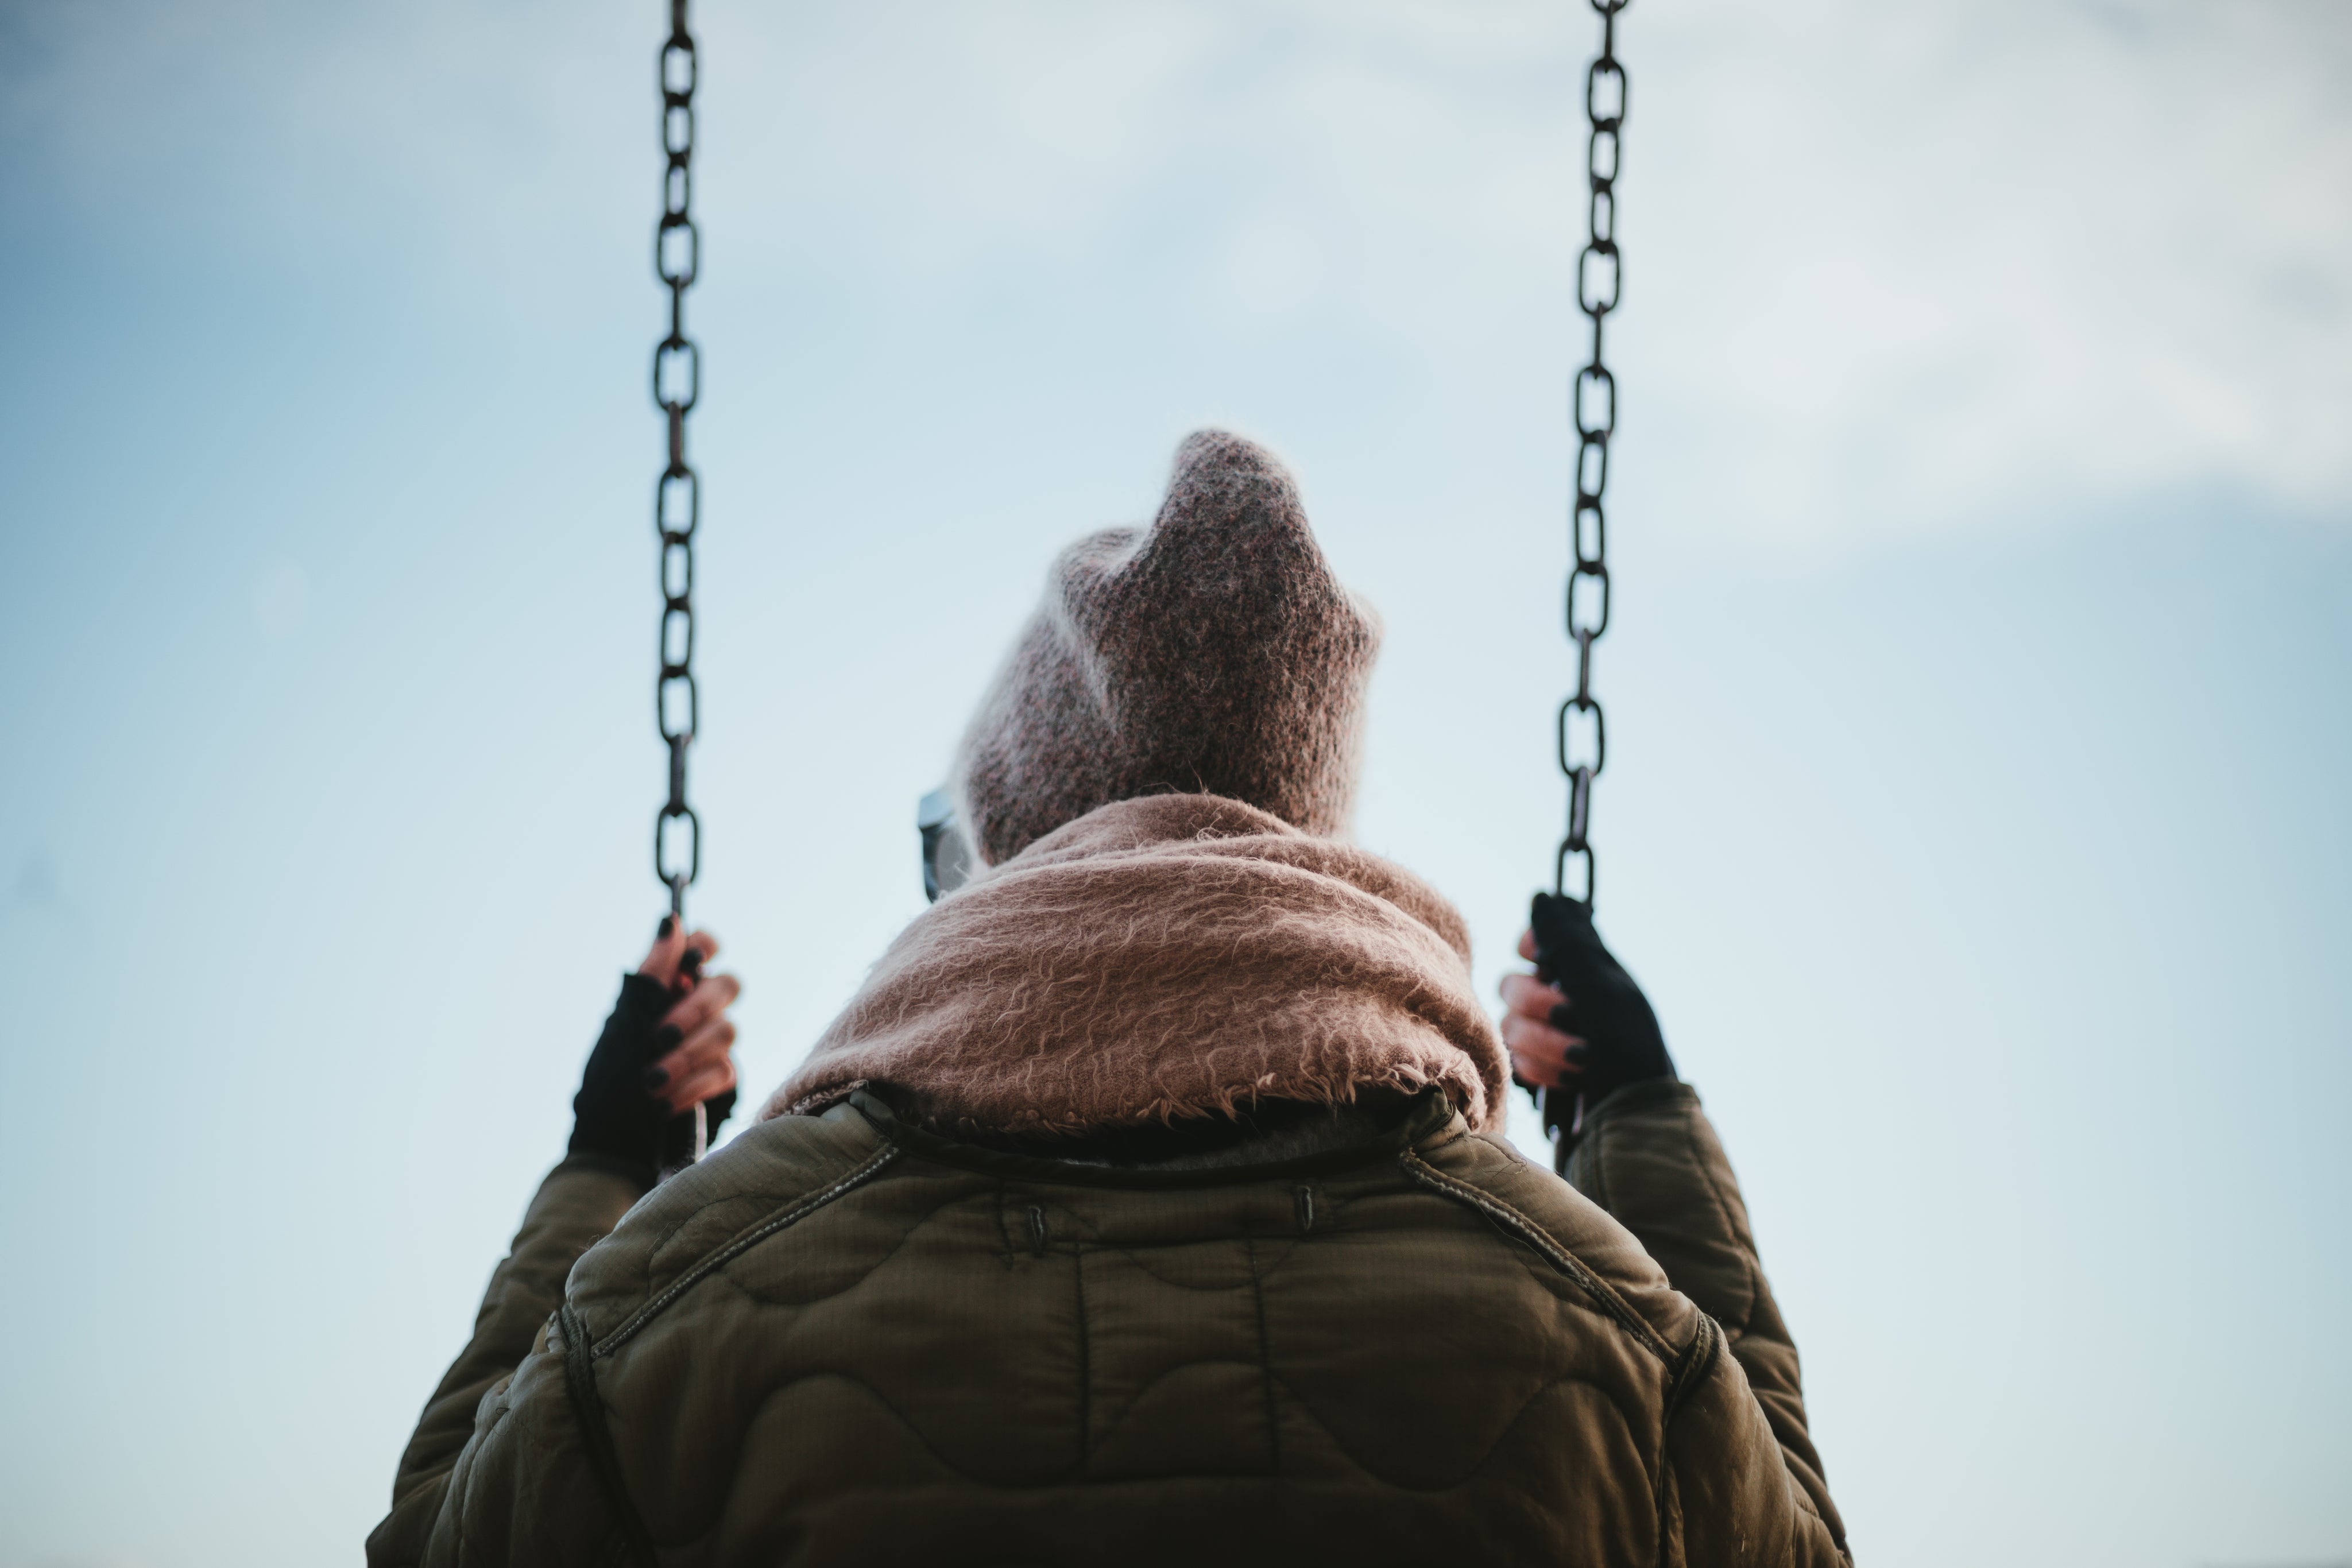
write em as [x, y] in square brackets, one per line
[1171, 955]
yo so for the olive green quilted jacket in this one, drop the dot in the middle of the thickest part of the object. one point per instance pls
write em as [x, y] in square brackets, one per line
[843, 1340]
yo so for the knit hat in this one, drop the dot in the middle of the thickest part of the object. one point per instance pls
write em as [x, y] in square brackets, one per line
[1212, 653]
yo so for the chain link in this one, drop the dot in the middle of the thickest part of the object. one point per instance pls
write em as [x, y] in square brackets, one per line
[1583, 733]
[677, 494]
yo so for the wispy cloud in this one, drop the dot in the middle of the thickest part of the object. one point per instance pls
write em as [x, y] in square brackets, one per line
[1890, 267]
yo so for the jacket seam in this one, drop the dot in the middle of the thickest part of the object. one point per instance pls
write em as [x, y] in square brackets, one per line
[1004, 1231]
[1696, 1361]
[588, 1411]
[741, 1244]
[1610, 1302]
[1264, 1362]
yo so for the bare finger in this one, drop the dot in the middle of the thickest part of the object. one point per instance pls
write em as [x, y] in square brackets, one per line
[1541, 1054]
[1543, 1069]
[678, 956]
[1531, 1073]
[697, 1054]
[662, 958]
[705, 1046]
[712, 996]
[1523, 1033]
[1527, 944]
[1530, 998]
[1540, 1073]
[708, 1084]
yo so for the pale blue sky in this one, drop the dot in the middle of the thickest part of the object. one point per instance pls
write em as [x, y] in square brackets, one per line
[1983, 535]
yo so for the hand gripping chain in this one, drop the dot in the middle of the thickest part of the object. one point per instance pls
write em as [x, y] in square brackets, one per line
[1581, 732]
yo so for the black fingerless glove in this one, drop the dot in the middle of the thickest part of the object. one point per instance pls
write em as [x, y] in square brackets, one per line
[614, 1120]
[1605, 1008]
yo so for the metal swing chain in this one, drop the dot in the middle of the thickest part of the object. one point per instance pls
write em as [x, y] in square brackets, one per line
[1583, 735]
[677, 494]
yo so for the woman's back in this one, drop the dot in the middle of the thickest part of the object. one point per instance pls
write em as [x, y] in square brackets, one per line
[846, 1341]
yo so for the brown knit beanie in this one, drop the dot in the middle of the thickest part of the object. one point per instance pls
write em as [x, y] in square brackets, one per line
[1212, 653]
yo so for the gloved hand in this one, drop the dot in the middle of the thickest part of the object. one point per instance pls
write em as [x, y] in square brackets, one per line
[1580, 1022]
[666, 1045]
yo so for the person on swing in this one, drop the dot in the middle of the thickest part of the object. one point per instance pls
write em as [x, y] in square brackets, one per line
[1148, 1202]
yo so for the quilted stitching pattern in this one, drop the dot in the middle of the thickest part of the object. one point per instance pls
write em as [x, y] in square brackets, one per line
[982, 1352]
[847, 1342]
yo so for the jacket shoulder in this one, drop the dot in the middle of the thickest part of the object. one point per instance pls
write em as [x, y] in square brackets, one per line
[1576, 1235]
[767, 1180]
